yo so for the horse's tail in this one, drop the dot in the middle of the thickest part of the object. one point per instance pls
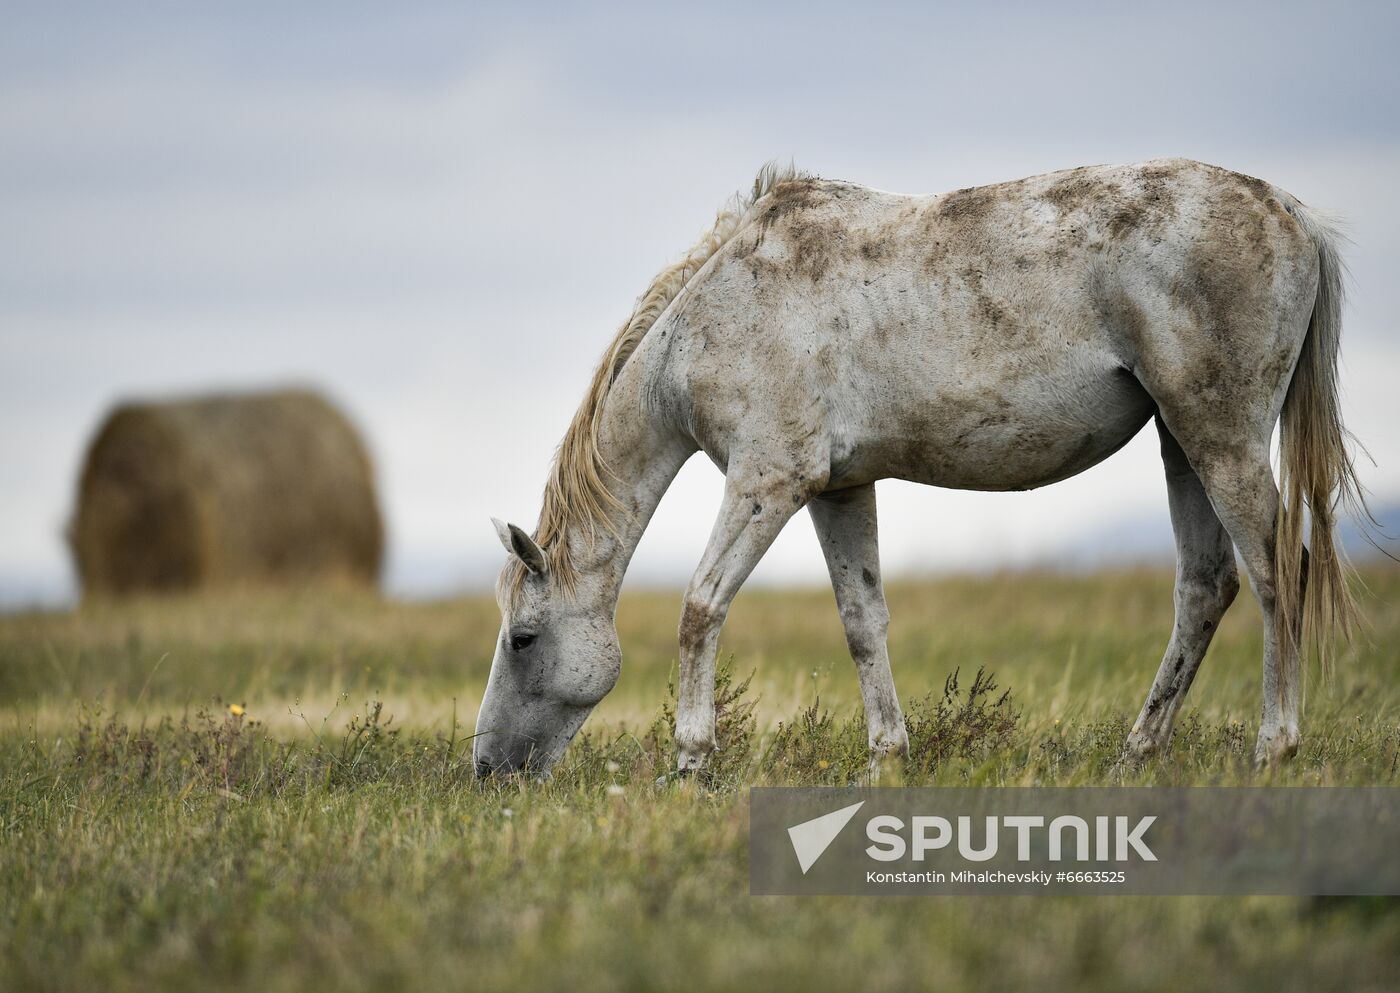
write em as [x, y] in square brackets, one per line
[1316, 472]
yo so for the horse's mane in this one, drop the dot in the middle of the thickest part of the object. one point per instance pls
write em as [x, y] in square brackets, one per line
[577, 493]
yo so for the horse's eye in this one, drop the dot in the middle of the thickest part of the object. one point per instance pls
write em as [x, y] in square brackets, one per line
[521, 641]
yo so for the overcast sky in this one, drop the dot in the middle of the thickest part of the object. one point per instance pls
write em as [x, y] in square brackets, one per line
[441, 214]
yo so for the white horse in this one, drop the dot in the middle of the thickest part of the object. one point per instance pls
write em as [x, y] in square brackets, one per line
[823, 336]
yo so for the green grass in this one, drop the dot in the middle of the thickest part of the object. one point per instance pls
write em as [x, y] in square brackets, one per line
[333, 837]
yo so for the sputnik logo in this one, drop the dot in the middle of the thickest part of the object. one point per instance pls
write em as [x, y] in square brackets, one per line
[811, 838]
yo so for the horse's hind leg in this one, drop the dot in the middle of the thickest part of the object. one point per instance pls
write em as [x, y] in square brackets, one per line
[1245, 497]
[1206, 584]
[1233, 466]
[1218, 363]
[846, 526]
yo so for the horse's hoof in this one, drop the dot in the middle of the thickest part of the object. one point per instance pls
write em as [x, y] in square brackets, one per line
[885, 762]
[1275, 747]
[1141, 746]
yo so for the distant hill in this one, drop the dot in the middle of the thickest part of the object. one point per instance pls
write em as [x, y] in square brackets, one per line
[1147, 539]
[1374, 543]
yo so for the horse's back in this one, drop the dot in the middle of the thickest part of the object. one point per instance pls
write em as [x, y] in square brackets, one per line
[993, 337]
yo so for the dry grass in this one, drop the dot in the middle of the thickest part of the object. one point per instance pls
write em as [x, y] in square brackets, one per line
[210, 491]
[154, 840]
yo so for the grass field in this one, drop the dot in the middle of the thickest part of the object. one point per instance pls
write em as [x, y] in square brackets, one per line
[332, 836]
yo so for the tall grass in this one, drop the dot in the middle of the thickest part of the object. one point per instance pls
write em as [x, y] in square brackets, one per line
[256, 793]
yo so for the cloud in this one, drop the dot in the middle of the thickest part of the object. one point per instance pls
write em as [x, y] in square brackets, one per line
[412, 210]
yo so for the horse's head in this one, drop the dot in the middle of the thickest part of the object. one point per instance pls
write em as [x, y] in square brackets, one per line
[557, 655]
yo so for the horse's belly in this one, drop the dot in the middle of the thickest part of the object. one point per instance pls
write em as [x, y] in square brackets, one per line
[975, 438]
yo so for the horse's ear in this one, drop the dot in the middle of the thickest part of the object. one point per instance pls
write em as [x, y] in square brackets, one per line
[522, 546]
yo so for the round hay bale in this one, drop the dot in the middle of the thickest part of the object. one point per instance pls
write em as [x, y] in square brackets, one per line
[226, 490]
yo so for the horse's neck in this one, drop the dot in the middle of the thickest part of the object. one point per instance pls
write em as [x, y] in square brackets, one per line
[643, 456]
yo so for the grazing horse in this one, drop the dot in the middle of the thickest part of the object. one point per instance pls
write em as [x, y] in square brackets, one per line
[823, 336]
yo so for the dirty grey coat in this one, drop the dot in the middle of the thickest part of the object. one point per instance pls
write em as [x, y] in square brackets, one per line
[996, 338]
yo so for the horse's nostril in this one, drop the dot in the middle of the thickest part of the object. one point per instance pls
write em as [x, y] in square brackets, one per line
[483, 768]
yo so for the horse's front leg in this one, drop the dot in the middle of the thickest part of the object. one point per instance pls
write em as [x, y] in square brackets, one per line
[758, 500]
[846, 527]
